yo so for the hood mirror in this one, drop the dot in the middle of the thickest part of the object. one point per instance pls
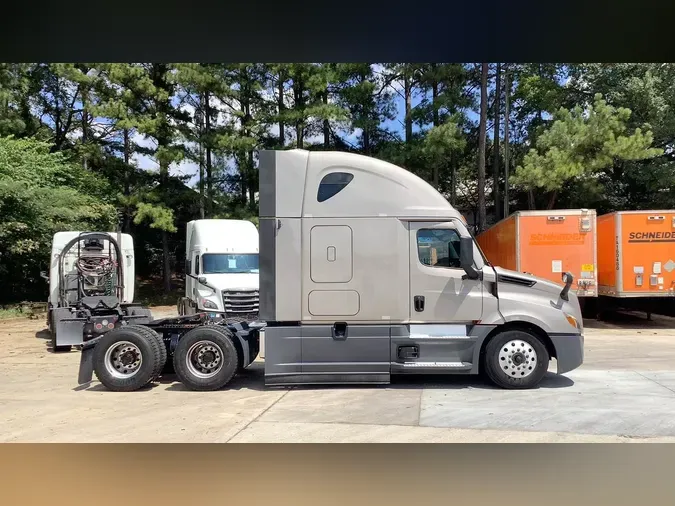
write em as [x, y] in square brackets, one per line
[568, 279]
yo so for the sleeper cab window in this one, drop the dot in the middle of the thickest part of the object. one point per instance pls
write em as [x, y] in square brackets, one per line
[332, 184]
[197, 265]
[438, 247]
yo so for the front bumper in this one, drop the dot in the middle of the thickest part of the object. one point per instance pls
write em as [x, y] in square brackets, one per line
[569, 349]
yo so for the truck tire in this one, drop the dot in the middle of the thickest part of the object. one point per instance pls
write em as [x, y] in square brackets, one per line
[148, 333]
[206, 358]
[516, 359]
[127, 358]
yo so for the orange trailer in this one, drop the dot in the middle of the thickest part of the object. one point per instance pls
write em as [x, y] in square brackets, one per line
[637, 254]
[546, 244]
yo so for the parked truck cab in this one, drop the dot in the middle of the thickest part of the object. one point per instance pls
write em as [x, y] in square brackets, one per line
[221, 269]
[367, 271]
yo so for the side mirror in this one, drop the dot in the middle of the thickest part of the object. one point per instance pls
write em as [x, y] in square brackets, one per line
[466, 257]
[202, 280]
[44, 275]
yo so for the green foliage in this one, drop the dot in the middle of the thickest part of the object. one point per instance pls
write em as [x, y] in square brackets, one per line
[581, 143]
[41, 193]
[83, 133]
[159, 216]
[443, 140]
[11, 312]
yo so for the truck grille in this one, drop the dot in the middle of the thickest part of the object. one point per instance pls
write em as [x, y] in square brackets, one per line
[241, 303]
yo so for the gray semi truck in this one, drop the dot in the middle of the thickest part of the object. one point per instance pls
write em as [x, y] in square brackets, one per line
[366, 271]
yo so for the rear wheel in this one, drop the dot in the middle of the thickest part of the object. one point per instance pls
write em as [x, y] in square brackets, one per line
[151, 334]
[516, 359]
[128, 358]
[206, 358]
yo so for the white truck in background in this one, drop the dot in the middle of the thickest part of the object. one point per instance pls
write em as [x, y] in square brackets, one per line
[91, 287]
[221, 269]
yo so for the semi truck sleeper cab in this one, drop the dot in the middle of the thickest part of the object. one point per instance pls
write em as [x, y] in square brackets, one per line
[366, 271]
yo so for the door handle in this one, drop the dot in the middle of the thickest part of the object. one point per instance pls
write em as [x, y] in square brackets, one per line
[340, 331]
[419, 303]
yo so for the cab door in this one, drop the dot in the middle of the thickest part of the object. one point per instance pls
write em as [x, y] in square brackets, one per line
[440, 291]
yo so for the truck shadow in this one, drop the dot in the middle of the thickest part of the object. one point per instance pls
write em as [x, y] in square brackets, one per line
[254, 379]
[43, 334]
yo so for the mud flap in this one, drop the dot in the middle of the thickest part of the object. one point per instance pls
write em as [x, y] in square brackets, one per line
[86, 372]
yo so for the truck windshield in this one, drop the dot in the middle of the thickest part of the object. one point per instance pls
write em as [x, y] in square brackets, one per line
[225, 263]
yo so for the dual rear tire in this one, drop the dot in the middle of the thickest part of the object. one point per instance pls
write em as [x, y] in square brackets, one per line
[129, 358]
[206, 358]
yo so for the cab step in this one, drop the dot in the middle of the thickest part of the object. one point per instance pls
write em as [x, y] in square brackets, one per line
[440, 365]
[421, 367]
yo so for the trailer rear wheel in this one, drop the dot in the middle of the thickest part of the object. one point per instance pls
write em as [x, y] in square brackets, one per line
[206, 358]
[516, 359]
[128, 358]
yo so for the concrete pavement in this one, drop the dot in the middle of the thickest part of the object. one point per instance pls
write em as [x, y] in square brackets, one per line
[625, 392]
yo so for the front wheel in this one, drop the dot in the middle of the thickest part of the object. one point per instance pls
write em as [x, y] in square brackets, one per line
[516, 359]
[206, 358]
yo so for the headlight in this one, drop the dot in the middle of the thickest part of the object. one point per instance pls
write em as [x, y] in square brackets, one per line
[208, 304]
[572, 321]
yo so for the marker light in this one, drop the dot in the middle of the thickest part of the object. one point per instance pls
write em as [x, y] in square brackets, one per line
[572, 321]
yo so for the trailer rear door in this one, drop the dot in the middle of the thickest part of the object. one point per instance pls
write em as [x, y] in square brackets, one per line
[552, 243]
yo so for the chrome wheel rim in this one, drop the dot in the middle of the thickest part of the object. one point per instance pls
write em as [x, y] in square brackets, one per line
[204, 359]
[123, 360]
[517, 359]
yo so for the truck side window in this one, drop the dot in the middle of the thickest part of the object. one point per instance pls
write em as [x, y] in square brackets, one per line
[438, 247]
[332, 184]
[197, 265]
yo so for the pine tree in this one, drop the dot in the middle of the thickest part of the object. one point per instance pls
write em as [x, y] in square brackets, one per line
[481, 148]
[142, 99]
[365, 99]
[580, 143]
